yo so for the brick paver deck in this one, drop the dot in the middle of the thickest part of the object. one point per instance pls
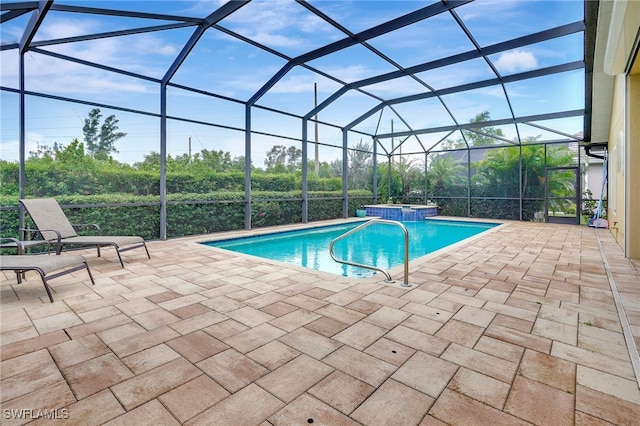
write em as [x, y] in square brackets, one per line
[516, 326]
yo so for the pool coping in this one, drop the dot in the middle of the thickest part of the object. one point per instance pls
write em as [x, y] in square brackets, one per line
[396, 272]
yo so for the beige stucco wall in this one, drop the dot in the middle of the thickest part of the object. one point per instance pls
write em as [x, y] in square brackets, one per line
[633, 173]
[624, 164]
[624, 131]
[616, 206]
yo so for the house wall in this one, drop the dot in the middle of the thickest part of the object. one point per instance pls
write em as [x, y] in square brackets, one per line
[616, 192]
[624, 164]
[624, 131]
[633, 175]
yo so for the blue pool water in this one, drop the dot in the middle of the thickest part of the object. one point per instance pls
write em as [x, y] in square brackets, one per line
[380, 245]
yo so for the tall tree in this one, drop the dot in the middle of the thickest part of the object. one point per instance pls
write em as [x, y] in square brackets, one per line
[479, 136]
[101, 138]
[294, 158]
[91, 129]
[276, 157]
[335, 167]
[360, 173]
[281, 159]
[218, 161]
[482, 135]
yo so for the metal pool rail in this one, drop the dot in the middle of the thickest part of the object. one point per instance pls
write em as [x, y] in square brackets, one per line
[364, 225]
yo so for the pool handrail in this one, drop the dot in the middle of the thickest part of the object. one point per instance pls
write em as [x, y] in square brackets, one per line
[360, 265]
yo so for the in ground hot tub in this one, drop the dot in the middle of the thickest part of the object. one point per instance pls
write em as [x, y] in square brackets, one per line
[401, 212]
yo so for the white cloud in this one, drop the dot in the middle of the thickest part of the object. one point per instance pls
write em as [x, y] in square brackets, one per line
[294, 84]
[63, 28]
[10, 149]
[303, 83]
[484, 8]
[348, 73]
[130, 53]
[146, 44]
[68, 78]
[495, 91]
[273, 39]
[396, 88]
[516, 60]
[275, 23]
[203, 7]
[61, 77]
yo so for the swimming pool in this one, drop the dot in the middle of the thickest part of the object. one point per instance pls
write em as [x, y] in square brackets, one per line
[379, 245]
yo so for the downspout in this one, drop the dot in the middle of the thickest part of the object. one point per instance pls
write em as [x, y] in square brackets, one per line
[587, 149]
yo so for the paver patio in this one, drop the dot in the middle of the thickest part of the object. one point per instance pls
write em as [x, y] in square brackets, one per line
[516, 326]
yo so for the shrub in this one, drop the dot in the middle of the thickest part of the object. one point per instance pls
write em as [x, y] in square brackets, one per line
[187, 214]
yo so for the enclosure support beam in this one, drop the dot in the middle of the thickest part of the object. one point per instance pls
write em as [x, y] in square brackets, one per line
[353, 39]
[212, 19]
[465, 87]
[305, 169]
[22, 174]
[389, 195]
[521, 181]
[458, 58]
[468, 181]
[375, 171]
[34, 23]
[345, 178]
[426, 178]
[163, 161]
[247, 167]
[29, 33]
[221, 13]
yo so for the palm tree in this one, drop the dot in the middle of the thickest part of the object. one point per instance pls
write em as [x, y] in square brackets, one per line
[498, 173]
[444, 173]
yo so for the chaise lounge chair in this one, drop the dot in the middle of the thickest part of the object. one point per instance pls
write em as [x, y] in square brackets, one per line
[44, 265]
[52, 223]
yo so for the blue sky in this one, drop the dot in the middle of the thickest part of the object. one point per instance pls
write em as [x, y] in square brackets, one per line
[229, 67]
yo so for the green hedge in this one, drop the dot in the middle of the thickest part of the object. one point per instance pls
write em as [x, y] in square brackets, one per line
[481, 208]
[495, 209]
[45, 180]
[451, 206]
[189, 214]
